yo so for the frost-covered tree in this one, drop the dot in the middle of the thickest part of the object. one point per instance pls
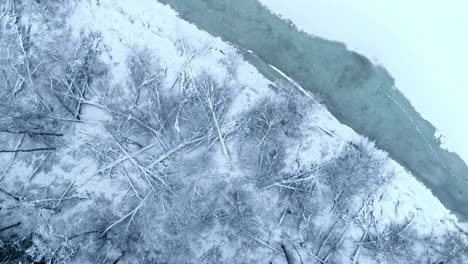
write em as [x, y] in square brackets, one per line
[358, 171]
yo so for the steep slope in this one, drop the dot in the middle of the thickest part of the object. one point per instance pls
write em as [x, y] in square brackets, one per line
[130, 136]
[361, 95]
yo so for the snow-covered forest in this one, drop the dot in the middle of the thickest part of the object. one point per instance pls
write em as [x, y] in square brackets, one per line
[127, 135]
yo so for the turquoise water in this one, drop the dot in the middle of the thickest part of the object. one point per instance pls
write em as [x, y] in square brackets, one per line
[355, 91]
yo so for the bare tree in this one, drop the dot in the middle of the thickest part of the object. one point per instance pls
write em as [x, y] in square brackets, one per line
[73, 87]
[262, 144]
[394, 243]
[145, 74]
[452, 247]
[215, 101]
[50, 247]
[358, 171]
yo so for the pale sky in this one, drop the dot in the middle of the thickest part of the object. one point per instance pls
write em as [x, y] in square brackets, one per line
[422, 43]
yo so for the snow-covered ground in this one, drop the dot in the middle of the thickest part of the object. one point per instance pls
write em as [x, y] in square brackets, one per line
[156, 27]
[421, 43]
[126, 27]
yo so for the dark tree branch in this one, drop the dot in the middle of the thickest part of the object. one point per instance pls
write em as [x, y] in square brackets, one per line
[289, 257]
[9, 227]
[27, 150]
[32, 133]
[17, 198]
[83, 234]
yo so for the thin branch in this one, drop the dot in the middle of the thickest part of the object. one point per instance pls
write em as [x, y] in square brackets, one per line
[289, 258]
[17, 198]
[312, 254]
[130, 214]
[131, 183]
[64, 193]
[120, 160]
[35, 202]
[297, 252]
[10, 226]
[33, 173]
[174, 150]
[28, 67]
[10, 163]
[82, 234]
[144, 170]
[32, 133]
[264, 243]
[27, 150]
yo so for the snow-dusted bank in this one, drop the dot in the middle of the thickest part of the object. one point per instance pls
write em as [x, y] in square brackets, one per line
[135, 137]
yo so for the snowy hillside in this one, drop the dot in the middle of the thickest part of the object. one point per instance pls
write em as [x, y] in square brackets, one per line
[127, 135]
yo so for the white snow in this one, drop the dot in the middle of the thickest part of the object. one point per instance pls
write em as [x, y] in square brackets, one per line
[421, 43]
[404, 198]
[127, 26]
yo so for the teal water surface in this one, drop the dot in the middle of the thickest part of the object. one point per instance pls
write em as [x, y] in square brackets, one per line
[358, 93]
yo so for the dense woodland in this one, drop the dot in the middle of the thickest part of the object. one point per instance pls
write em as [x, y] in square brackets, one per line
[93, 171]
